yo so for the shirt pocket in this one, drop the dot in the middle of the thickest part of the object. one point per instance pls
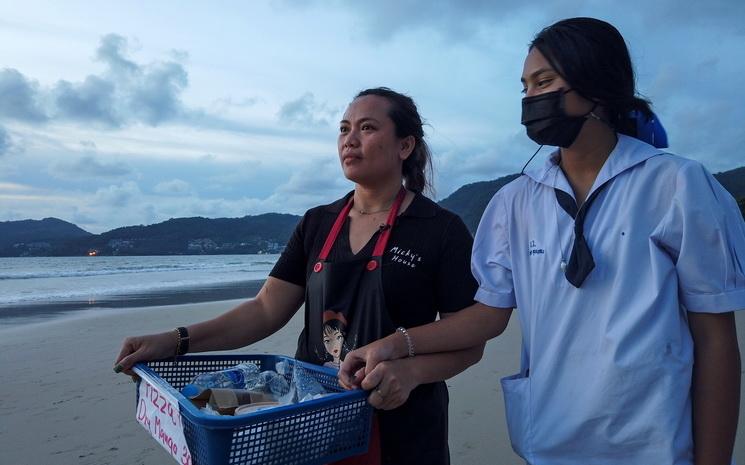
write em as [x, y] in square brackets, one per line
[516, 390]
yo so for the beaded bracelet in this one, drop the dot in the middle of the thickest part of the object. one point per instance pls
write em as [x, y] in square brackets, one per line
[409, 342]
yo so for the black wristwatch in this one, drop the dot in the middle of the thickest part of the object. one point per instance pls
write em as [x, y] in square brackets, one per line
[182, 344]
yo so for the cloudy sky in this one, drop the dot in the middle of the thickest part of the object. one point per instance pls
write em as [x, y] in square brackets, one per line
[121, 113]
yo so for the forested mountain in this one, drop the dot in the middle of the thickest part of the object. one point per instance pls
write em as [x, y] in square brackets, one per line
[733, 181]
[266, 233]
[37, 234]
[470, 200]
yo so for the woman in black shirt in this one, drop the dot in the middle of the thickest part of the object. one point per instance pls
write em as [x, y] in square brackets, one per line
[379, 260]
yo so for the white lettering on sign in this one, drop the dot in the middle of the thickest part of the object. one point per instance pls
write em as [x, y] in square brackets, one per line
[158, 412]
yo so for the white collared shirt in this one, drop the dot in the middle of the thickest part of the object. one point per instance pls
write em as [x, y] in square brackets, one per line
[606, 368]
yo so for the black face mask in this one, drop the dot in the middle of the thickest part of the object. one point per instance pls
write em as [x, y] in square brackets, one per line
[547, 122]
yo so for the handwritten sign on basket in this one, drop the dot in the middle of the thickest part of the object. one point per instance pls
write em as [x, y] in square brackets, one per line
[158, 412]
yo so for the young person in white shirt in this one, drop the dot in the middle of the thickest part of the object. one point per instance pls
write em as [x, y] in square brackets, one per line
[625, 264]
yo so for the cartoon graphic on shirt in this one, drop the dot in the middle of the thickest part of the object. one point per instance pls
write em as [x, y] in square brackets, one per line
[334, 335]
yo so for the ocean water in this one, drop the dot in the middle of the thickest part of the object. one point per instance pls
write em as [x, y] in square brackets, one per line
[34, 286]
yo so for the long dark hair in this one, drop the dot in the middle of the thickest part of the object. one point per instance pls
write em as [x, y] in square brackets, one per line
[591, 55]
[406, 118]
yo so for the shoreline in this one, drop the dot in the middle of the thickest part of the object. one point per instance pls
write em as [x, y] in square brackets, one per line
[29, 313]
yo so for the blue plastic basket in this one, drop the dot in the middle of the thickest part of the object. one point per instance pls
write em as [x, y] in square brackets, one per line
[312, 432]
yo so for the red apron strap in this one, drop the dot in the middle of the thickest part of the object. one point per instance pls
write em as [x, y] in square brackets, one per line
[383, 238]
[331, 238]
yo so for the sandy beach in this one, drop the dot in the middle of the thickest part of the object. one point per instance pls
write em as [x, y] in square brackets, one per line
[61, 403]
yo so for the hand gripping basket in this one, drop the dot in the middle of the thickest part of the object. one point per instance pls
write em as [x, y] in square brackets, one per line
[312, 432]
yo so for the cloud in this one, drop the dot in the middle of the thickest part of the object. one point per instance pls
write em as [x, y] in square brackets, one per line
[458, 21]
[125, 93]
[305, 111]
[150, 214]
[112, 51]
[464, 165]
[91, 100]
[228, 102]
[10, 187]
[119, 196]
[90, 167]
[148, 93]
[692, 94]
[11, 215]
[81, 218]
[690, 119]
[311, 185]
[173, 187]
[129, 92]
[19, 97]
[5, 142]
[720, 15]
[386, 18]
[156, 98]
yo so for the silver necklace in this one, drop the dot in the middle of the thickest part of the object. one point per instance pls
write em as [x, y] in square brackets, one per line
[365, 212]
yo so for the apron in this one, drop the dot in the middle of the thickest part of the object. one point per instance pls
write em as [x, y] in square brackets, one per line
[345, 309]
[344, 301]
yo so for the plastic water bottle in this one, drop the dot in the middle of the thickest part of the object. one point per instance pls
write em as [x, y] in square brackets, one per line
[274, 383]
[307, 387]
[243, 376]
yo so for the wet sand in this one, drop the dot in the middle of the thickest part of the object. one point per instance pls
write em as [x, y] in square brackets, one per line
[20, 313]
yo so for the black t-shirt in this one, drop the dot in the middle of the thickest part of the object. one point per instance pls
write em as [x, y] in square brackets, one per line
[426, 271]
[426, 264]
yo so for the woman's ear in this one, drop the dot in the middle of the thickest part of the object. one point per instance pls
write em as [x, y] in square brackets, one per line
[407, 147]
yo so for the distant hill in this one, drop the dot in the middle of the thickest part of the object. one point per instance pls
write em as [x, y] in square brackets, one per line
[470, 200]
[251, 234]
[733, 181]
[266, 233]
[38, 235]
